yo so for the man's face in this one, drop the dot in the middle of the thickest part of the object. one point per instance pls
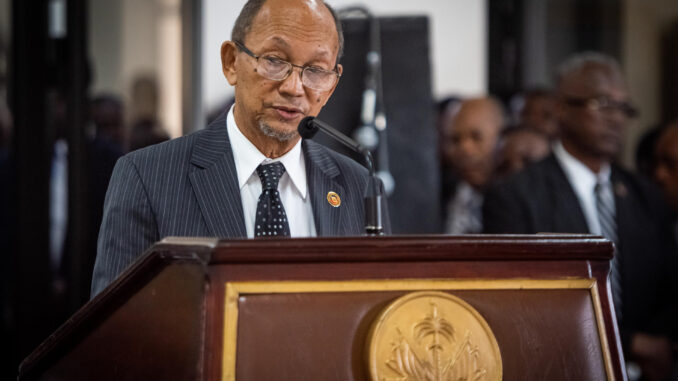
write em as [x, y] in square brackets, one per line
[300, 32]
[666, 171]
[521, 148]
[470, 141]
[539, 114]
[594, 132]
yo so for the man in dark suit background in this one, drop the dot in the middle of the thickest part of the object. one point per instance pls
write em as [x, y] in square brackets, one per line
[283, 61]
[579, 189]
[666, 169]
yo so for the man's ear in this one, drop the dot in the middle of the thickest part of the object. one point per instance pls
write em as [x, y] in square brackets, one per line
[228, 53]
[340, 69]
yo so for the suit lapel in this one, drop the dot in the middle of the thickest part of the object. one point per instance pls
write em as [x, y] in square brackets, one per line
[215, 181]
[567, 214]
[322, 175]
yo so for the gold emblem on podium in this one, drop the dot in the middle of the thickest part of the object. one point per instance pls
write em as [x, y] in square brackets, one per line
[432, 336]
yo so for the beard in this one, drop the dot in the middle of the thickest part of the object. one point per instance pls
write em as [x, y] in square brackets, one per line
[280, 136]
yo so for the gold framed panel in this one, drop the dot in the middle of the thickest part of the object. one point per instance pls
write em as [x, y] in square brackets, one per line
[234, 290]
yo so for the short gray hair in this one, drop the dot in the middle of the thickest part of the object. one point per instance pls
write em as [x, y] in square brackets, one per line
[243, 24]
[579, 61]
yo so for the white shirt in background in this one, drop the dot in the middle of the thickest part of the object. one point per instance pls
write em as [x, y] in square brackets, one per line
[583, 181]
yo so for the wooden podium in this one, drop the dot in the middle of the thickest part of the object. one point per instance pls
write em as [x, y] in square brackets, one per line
[306, 309]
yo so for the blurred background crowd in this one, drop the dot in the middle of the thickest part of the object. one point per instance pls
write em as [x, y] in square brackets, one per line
[486, 102]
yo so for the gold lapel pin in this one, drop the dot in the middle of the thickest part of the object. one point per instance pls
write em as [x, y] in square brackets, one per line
[333, 199]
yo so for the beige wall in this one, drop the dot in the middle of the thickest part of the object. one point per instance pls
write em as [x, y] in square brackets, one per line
[642, 24]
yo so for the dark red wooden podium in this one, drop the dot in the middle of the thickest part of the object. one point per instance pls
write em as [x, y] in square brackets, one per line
[301, 309]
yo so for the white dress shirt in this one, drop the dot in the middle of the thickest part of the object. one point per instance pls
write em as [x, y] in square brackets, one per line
[293, 186]
[465, 211]
[583, 181]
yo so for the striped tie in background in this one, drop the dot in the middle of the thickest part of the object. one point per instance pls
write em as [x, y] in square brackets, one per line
[608, 228]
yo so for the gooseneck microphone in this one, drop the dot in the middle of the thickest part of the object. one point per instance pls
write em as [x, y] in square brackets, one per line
[309, 126]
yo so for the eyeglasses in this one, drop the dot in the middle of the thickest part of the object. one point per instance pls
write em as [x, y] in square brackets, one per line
[603, 104]
[276, 69]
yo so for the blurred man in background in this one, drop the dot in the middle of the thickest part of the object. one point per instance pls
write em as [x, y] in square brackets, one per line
[666, 169]
[645, 150]
[107, 113]
[470, 136]
[579, 189]
[538, 112]
[518, 147]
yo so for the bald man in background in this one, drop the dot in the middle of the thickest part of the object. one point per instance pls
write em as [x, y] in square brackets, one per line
[470, 136]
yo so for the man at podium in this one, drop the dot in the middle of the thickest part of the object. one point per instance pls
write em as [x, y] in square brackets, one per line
[248, 174]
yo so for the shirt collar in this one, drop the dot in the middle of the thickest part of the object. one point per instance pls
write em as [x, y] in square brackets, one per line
[577, 172]
[247, 158]
[467, 192]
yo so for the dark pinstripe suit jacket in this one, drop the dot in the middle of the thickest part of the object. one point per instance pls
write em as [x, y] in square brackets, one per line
[188, 187]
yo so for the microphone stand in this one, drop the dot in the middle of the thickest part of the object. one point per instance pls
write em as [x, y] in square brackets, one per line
[308, 127]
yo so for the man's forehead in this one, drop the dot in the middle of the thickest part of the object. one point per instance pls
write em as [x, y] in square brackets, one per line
[322, 48]
[301, 14]
[280, 20]
[480, 109]
[592, 80]
[478, 119]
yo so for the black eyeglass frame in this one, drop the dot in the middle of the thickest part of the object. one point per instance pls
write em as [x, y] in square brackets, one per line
[244, 49]
[602, 103]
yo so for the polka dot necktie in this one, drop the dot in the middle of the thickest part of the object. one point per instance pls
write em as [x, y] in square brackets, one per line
[271, 220]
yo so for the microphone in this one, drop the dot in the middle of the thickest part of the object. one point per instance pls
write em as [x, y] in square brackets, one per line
[309, 126]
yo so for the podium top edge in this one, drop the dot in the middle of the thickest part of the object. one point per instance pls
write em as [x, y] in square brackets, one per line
[191, 241]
